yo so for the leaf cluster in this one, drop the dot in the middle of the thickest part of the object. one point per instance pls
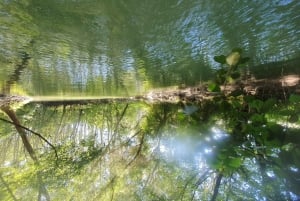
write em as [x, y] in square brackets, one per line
[230, 72]
[73, 157]
[254, 133]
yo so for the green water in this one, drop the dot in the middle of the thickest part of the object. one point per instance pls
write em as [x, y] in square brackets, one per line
[128, 47]
[55, 50]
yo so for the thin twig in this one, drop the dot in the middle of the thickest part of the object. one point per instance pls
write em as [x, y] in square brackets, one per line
[33, 132]
[138, 151]
[121, 117]
[186, 185]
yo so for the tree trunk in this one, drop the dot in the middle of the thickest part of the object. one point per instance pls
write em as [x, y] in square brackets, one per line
[21, 132]
[217, 186]
[43, 192]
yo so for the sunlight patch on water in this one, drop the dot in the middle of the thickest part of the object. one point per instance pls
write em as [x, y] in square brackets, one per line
[190, 150]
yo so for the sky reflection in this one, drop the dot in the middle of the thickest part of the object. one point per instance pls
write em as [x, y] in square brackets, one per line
[190, 150]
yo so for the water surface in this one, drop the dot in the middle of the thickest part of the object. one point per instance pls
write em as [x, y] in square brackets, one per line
[78, 60]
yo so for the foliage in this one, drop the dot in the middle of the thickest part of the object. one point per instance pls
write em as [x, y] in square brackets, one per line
[254, 133]
[230, 72]
[73, 157]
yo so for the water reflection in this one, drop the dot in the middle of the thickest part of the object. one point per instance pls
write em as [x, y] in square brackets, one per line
[191, 151]
[125, 48]
[133, 151]
[124, 149]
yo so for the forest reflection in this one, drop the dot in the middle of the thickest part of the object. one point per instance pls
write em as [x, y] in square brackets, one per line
[139, 151]
[142, 148]
[135, 100]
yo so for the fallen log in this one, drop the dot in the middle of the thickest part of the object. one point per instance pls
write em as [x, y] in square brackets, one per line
[263, 89]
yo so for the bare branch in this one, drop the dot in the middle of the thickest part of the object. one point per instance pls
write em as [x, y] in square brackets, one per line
[138, 151]
[33, 132]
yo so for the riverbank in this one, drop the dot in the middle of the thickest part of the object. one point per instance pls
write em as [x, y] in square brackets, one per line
[279, 88]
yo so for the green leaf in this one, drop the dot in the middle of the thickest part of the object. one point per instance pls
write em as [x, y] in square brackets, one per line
[235, 162]
[294, 98]
[274, 128]
[220, 76]
[257, 104]
[275, 134]
[288, 147]
[213, 87]
[181, 116]
[222, 156]
[220, 59]
[216, 164]
[258, 119]
[229, 79]
[269, 104]
[236, 104]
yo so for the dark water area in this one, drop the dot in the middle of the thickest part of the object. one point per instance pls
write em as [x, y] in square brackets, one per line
[70, 129]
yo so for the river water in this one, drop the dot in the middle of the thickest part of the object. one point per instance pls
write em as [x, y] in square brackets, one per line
[126, 150]
[129, 47]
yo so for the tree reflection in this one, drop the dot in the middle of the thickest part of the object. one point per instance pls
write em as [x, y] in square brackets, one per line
[105, 153]
[6, 103]
[229, 146]
[235, 146]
